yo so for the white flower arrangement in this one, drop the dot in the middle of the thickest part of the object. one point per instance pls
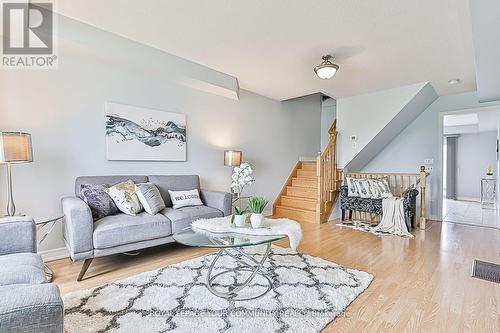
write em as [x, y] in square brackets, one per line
[242, 176]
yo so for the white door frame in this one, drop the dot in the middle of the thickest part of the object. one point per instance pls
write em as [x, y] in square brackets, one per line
[440, 166]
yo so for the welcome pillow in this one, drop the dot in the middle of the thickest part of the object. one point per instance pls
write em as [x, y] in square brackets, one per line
[185, 198]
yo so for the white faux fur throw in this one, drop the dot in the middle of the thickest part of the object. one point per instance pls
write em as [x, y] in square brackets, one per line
[393, 218]
[273, 227]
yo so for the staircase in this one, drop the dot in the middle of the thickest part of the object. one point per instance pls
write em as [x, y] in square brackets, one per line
[310, 191]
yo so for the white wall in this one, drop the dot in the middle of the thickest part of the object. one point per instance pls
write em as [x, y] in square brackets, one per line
[64, 111]
[474, 153]
[328, 115]
[422, 139]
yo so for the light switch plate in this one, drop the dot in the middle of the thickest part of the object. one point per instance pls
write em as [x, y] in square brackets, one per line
[429, 161]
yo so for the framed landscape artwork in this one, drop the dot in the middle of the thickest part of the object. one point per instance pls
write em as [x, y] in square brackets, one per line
[135, 133]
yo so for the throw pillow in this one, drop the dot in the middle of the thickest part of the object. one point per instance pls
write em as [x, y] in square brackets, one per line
[352, 190]
[185, 198]
[374, 188]
[123, 194]
[363, 188]
[150, 198]
[100, 203]
[383, 185]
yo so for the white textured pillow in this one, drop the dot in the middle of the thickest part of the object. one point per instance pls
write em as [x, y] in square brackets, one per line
[123, 194]
[374, 188]
[352, 190]
[150, 198]
[383, 185]
[185, 198]
[363, 188]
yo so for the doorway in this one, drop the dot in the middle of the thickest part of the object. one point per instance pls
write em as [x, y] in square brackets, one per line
[470, 166]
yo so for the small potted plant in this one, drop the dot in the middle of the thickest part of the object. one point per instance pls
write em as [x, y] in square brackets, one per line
[239, 216]
[257, 205]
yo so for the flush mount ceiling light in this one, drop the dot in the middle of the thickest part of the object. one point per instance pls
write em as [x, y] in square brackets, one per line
[454, 81]
[326, 70]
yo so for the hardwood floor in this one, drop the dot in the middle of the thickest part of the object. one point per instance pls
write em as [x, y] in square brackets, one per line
[420, 285]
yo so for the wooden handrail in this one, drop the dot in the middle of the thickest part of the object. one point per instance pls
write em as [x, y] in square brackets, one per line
[327, 175]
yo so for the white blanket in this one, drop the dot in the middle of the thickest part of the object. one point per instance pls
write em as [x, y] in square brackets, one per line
[393, 218]
[273, 227]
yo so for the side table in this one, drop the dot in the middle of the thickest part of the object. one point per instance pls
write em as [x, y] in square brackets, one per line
[46, 225]
[488, 192]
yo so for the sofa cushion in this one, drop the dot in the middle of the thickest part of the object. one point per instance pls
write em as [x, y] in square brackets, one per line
[124, 229]
[110, 180]
[174, 183]
[21, 268]
[182, 217]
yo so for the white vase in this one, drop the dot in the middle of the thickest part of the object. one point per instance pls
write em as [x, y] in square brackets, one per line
[257, 220]
[239, 220]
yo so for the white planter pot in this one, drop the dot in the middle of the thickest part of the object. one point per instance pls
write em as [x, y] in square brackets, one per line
[257, 220]
[239, 220]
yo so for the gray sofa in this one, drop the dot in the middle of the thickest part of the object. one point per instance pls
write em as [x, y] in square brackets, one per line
[87, 239]
[27, 302]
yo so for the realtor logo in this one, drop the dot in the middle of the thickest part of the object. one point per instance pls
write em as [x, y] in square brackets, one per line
[27, 31]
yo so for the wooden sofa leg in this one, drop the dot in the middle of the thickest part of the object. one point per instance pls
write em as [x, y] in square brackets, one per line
[85, 266]
[342, 218]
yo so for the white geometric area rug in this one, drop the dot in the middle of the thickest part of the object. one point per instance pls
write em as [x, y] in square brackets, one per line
[366, 227]
[307, 293]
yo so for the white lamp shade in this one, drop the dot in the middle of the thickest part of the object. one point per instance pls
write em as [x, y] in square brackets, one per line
[326, 72]
[15, 147]
[232, 157]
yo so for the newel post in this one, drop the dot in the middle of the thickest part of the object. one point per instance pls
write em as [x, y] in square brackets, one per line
[423, 181]
[319, 175]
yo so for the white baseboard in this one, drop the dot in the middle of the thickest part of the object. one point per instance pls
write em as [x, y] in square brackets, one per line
[468, 199]
[54, 254]
[268, 212]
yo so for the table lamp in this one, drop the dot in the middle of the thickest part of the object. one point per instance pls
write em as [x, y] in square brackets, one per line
[232, 157]
[15, 147]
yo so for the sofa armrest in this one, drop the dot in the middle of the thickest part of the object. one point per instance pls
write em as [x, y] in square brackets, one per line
[217, 199]
[78, 227]
[17, 235]
[410, 202]
[31, 308]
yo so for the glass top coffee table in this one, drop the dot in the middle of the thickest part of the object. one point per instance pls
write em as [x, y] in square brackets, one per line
[232, 244]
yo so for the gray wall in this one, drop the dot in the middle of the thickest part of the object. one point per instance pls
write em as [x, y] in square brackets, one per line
[422, 139]
[474, 153]
[328, 115]
[366, 116]
[64, 111]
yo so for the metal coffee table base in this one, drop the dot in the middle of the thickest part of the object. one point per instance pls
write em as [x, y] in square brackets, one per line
[255, 268]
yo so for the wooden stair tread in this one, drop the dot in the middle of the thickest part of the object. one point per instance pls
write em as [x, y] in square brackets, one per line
[296, 209]
[299, 198]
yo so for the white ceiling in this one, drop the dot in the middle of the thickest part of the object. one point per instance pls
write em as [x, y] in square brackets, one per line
[486, 33]
[461, 119]
[484, 121]
[271, 46]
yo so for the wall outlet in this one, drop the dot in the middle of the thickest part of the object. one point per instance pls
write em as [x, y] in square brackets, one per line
[429, 161]
[353, 137]
[354, 144]
[429, 168]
